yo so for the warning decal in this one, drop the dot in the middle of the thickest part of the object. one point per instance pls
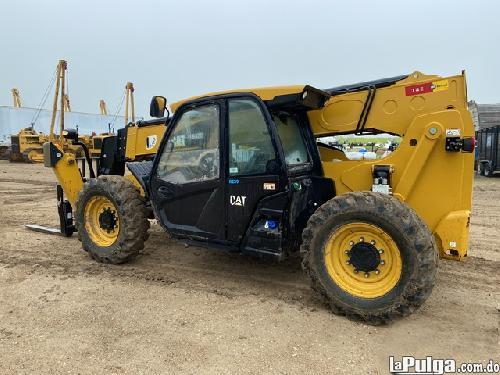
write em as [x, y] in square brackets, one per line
[424, 88]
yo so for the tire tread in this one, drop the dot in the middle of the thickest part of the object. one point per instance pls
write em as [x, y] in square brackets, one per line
[134, 224]
[420, 284]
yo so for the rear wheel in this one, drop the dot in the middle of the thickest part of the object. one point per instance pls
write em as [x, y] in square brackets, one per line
[15, 157]
[370, 256]
[487, 170]
[481, 169]
[7, 154]
[111, 219]
[26, 156]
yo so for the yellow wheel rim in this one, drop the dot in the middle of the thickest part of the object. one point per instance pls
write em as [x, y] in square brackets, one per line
[363, 260]
[101, 221]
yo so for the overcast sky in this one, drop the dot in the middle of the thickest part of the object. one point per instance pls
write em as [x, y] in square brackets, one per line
[184, 48]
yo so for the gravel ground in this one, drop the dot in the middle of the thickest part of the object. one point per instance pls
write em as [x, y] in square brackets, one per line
[180, 309]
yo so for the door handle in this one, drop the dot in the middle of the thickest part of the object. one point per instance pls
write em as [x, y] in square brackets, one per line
[165, 192]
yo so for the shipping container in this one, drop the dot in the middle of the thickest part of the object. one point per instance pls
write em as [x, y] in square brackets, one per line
[488, 147]
[486, 118]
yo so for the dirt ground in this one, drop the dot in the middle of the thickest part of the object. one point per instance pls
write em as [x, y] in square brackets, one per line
[180, 309]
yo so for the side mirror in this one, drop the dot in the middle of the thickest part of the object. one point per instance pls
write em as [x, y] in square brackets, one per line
[158, 106]
[70, 134]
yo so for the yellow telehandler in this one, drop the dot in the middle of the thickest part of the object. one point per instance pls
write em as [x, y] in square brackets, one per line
[242, 170]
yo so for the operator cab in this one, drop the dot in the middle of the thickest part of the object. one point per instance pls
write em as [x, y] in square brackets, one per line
[240, 172]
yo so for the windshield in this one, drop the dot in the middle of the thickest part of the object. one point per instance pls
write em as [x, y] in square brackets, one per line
[291, 138]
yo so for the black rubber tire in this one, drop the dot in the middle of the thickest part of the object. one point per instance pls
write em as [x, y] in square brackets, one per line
[25, 156]
[13, 157]
[412, 236]
[132, 214]
[481, 169]
[487, 171]
[4, 153]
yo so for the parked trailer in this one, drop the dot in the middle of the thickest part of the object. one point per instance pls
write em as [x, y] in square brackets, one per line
[488, 144]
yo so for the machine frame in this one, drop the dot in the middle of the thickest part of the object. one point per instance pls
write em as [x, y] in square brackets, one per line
[369, 231]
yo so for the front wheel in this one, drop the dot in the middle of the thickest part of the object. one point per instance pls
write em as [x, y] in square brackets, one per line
[370, 256]
[111, 219]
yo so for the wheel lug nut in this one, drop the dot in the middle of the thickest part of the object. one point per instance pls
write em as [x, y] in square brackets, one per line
[351, 243]
[346, 251]
[348, 262]
[367, 274]
[381, 251]
[372, 242]
[382, 262]
[377, 272]
[361, 239]
[356, 271]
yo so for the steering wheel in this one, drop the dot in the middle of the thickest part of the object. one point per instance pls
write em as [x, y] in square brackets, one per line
[207, 164]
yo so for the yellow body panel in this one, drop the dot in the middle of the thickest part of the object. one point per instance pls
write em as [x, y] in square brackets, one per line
[136, 183]
[68, 175]
[435, 183]
[392, 110]
[331, 154]
[143, 141]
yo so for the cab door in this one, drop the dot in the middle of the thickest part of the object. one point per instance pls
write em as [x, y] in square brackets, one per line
[256, 197]
[187, 189]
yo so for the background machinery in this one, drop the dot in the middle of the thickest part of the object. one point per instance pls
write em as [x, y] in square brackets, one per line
[240, 170]
[16, 98]
[488, 144]
[67, 104]
[129, 103]
[103, 107]
[102, 154]
[27, 146]
[94, 142]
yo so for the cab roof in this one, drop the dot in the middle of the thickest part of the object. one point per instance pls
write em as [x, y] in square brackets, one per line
[265, 93]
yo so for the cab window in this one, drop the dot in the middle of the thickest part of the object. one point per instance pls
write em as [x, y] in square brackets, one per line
[191, 153]
[250, 145]
[291, 138]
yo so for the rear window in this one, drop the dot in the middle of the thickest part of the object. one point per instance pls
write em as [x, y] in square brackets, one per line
[291, 138]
